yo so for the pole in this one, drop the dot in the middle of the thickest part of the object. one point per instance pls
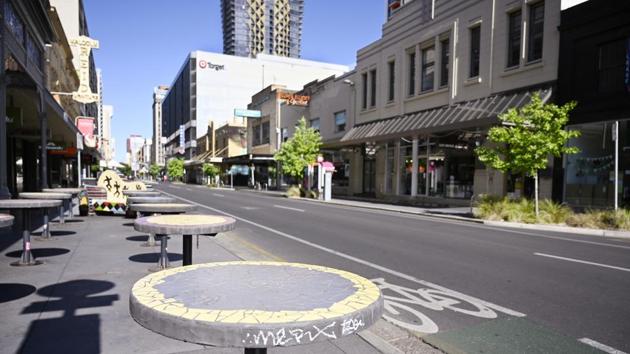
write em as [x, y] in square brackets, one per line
[79, 166]
[616, 139]
[536, 192]
[278, 139]
[4, 176]
[427, 179]
[43, 141]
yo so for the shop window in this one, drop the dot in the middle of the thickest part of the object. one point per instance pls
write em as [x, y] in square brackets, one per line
[428, 69]
[265, 133]
[514, 39]
[536, 29]
[340, 121]
[475, 47]
[14, 22]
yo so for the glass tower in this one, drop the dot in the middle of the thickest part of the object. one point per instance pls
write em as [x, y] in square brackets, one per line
[262, 26]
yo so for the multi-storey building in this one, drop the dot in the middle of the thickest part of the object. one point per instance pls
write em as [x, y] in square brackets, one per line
[594, 71]
[157, 155]
[262, 26]
[106, 134]
[428, 90]
[210, 86]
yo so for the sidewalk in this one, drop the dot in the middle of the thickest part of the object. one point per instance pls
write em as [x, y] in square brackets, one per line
[77, 301]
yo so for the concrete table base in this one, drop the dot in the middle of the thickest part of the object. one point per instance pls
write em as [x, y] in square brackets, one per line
[73, 191]
[26, 205]
[255, 305]
[186, 225]
[6, 220]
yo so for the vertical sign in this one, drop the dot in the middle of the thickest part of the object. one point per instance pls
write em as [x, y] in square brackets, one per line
[627, 81]
[182, 139]
[84, 93]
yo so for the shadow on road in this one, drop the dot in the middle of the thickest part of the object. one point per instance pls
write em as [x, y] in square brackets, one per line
[14, 291]
[153, 257]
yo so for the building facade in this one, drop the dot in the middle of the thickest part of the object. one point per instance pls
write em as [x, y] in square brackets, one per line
[210, 86]
[106, 135]
[157, 155]
[428, 90]
[594, 71]
[271, 27]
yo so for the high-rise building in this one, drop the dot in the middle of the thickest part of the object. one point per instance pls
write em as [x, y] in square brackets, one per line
[157, 156]
[262, 26]
[106, 134]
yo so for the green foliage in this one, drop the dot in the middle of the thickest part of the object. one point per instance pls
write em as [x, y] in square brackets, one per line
[155, 170]
[175, 168]
[528, 137]
[602, 219]
[211, 170]
[95, 168]
[125, 169]
[300, 150]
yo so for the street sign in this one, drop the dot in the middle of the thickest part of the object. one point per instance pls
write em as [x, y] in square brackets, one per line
[247, 113]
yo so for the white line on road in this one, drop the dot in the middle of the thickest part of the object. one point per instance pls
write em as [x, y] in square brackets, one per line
[218, 195]
[288, 208]
[581, 261]
[357, 260]
[600, 346]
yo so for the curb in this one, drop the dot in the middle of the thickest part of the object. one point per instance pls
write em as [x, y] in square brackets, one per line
[563, 229]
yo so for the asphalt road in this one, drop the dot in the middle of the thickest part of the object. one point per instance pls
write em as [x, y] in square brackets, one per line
[464, 286]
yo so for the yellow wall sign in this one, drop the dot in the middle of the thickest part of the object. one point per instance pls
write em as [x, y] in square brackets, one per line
[293, 99]
[84, 93]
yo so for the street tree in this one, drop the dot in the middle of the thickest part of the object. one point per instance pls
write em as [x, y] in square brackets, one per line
[527, 138]
[211, 170]
[155, 170]
[299, 151]
[125, 169]
[175, 168]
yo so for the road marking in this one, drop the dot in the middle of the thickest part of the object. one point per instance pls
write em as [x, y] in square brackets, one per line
[189, 189]
[581, 261]
[218, 195]
[600, 346]
[355, 259]
[249, 208]
[288, 208]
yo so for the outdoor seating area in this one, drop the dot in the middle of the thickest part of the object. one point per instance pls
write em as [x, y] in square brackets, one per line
[104, 285]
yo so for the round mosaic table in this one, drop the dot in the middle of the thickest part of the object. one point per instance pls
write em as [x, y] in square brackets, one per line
[255, 305]
[6, 220]
[74, 191]
[52, 196]
[141, 194]
[160, 208]
[26, 205]
[186, 225]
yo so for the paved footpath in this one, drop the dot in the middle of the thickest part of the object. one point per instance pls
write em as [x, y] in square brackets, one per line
[78, 300]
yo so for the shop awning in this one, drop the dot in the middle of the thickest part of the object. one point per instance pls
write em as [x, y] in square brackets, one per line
[469, 114]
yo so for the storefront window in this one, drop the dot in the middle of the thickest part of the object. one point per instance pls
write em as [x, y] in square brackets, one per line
[391, 168]
[590, 174]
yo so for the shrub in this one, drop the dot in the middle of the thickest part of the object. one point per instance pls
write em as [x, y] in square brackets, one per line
[553, 213]
[293, 192]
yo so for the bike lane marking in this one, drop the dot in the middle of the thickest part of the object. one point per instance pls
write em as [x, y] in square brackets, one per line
[600, 346]
[581, 261]
[396, 273]
[288, 208]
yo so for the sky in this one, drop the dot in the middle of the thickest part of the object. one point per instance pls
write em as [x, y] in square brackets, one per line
[143, 43]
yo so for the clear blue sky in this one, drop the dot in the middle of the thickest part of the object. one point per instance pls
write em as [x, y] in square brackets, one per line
[143, 44]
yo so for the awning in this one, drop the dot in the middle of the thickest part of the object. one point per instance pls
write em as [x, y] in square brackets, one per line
[469, 114]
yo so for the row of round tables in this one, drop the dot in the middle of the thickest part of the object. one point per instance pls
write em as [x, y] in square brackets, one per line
[45, 200]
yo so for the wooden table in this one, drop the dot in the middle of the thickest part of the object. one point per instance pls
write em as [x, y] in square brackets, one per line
[186, 225]
[51, 196]
[26, 205]
[255, 305]
[74, 191]
[158, 209]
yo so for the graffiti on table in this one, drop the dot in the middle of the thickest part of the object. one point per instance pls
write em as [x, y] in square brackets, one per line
[283, 336]
[351, 325]
[403, 306]
[116, 201]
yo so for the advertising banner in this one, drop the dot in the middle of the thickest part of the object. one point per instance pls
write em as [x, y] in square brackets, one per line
[86, 127]
[84, 93]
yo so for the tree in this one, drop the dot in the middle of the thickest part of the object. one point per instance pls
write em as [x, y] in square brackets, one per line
[175, 168]
[300, 150]
[155, 170]
[527, 137]
[211, 170]
[125, 169]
